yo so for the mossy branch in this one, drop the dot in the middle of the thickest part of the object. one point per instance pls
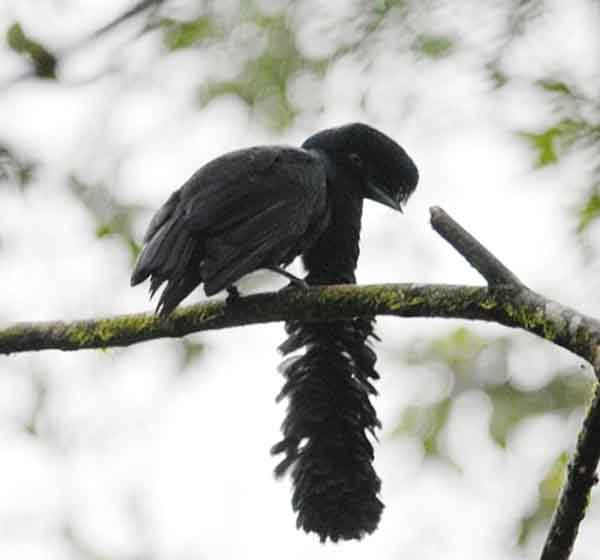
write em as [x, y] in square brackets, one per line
[505, 305]
[480, 258]
[505, 300]
[575, 496]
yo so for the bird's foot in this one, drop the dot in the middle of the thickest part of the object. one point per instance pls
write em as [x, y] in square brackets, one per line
[295, 282]
[233, 294]
[293, 287]
[298, 284]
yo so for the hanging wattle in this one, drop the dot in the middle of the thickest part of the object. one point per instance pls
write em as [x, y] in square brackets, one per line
[329, 415]
[325, 430]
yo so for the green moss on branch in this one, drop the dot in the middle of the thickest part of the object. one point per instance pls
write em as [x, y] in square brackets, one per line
[511, 306]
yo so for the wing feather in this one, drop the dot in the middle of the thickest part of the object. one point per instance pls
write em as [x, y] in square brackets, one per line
[240, 212]
[265, 239]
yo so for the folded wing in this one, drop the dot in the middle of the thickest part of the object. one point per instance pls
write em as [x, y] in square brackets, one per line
[243, 211]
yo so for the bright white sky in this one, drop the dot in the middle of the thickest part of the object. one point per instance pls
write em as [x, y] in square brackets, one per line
[145, 463]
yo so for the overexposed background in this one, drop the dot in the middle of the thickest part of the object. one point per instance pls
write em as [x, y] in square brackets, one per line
[161, 450]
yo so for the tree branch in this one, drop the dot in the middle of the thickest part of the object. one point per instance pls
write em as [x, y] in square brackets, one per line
[505, 305]
[575, 496]
[474, 252]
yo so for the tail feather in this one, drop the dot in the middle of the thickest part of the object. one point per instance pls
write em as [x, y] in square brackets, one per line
[177, 290]
[172, 255]
[325, 440]
[155, 283]
[177, 253]
[156, 253]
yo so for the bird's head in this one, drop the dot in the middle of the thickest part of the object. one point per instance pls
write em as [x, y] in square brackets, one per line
[387, 174]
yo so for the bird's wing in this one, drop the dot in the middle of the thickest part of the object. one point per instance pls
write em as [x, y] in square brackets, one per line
[251, 207]
[242, 184]
[264, 240]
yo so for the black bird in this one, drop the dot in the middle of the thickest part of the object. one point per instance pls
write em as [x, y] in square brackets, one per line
[260, 208]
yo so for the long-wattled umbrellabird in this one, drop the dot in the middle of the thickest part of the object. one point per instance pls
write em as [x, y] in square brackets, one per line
[260, 208]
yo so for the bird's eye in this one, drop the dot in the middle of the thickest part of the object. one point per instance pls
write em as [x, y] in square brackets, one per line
[355, 159]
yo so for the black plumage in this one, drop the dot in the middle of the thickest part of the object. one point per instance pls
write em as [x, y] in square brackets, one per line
[243, 211]
[260, 208]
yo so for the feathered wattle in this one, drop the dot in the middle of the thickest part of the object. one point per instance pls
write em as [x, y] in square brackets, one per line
[326, 431]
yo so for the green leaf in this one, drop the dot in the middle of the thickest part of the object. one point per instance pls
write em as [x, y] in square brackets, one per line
[110, 216]
[15, 169]
[498, 77]
[433, 46]
[550, 487]
[426, 423]
[103, 231]
[589, 212]
[181, 35]
[548, 494]
[549, 143]
[554, 86]
[543, 144]
[382, 6]
[262, 83]
[16, 38]
[511, 405]
[459, 349]
[44, 62]
[134, 248]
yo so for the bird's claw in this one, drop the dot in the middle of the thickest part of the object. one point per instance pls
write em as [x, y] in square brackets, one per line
[299, 283]
[233, 294]
[296, 284]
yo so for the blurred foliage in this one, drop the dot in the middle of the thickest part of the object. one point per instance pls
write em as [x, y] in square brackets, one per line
[382, 6]
[15, 169]
[577, 128]
[496, 75]
[263, 80]
[552, 142]
[43, 61]
[564, 393]
[433, 46]
[39, 384]
[554, 86]
[181, 35]
[590, 211]
[426, 423]
[477, 363]
[110, 216]
[458, 350]
[77, 545]
[523, 12]
[192, 349]
[548, 495]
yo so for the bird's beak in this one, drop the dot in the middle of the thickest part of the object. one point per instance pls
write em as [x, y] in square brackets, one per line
[376, 193]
